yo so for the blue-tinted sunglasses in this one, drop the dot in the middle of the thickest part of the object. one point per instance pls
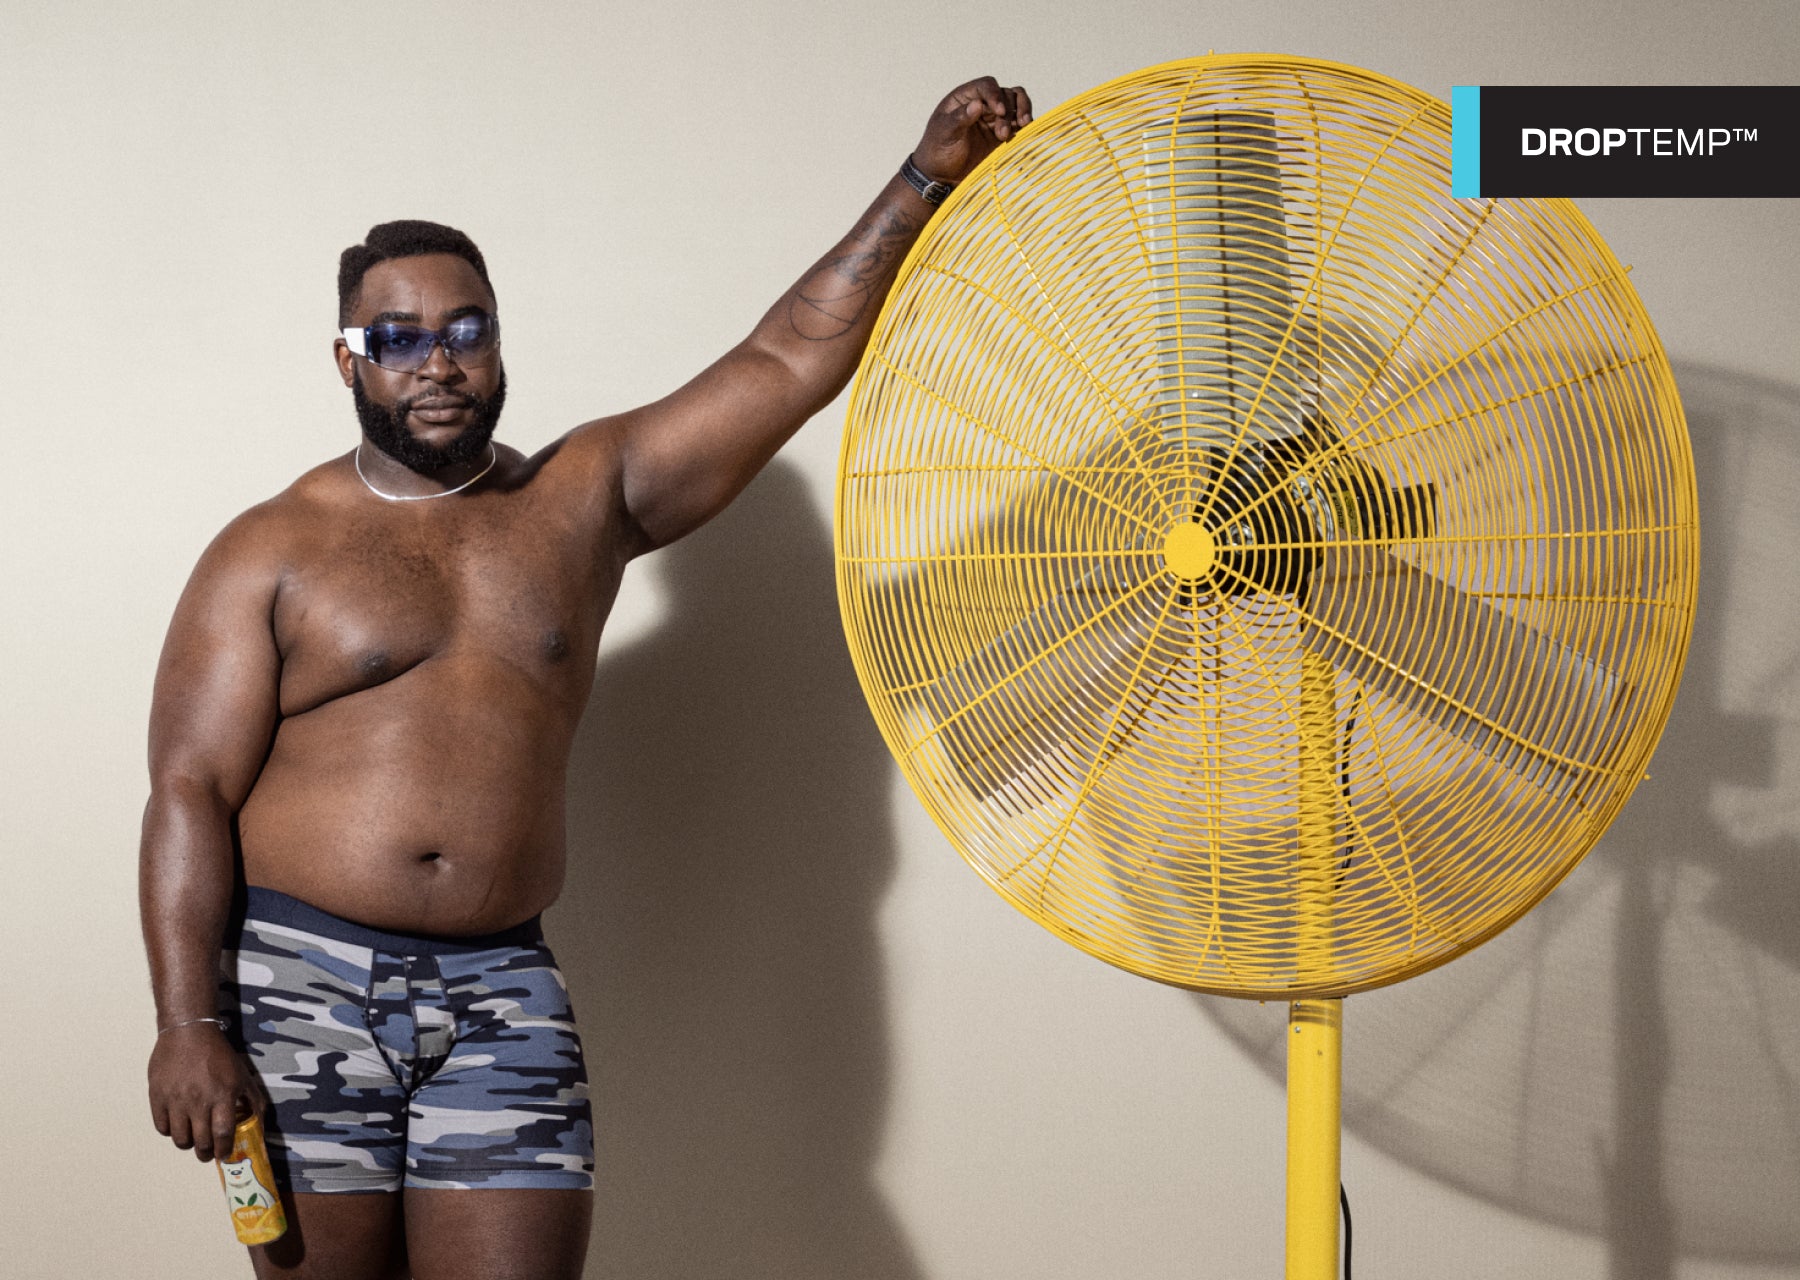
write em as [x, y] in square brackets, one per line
[471, 341]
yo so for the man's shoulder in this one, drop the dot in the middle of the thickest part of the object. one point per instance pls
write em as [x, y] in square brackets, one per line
[267, 535]
[591, 445]
[578, 466]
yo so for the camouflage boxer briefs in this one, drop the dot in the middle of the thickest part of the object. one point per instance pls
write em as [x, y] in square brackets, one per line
[400, 1061]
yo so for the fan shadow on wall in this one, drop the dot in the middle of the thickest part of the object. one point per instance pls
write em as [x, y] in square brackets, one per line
[1625, 1060]
[718, 927]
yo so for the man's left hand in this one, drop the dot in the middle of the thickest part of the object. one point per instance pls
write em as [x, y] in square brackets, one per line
[969, 123]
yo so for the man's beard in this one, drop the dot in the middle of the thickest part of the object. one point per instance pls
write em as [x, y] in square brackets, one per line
[386, 428]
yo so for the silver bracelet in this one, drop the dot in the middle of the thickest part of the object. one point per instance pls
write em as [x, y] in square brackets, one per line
[930, 190]
[191, 1022]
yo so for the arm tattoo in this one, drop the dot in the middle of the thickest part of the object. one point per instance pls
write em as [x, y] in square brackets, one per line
[833, 298]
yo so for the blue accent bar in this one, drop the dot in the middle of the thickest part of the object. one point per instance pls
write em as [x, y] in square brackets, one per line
[1465, 141]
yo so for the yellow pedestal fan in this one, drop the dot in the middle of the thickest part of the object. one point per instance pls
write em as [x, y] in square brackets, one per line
[1271, 573]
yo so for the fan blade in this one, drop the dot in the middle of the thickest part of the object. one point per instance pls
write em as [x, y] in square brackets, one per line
[1218, 253]
[1048, 683]
[1537, 706]
[975, 589]
[1227, 370]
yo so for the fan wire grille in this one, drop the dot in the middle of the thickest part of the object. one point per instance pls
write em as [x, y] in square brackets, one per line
[1271, 573]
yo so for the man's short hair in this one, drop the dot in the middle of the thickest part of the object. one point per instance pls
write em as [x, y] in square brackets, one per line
[409, 238]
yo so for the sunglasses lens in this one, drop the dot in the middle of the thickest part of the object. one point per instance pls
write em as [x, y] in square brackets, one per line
[469, 339]
[400, 346]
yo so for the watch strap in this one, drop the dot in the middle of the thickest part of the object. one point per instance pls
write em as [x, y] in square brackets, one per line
[930, 190]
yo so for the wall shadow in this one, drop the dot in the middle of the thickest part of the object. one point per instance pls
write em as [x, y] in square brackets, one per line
[730, 843]
[1626, 1059]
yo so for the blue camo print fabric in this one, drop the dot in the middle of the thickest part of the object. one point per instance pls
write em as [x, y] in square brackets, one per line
[413, 1062]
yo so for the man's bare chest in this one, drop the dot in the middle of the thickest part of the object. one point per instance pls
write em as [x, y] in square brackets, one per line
[368, 604]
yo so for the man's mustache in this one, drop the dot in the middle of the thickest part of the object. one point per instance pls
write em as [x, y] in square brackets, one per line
[437, 400]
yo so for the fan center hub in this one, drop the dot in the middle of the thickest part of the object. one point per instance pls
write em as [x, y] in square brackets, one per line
[1189, 550]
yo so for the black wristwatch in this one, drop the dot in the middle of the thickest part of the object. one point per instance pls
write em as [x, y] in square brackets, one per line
[930, 190]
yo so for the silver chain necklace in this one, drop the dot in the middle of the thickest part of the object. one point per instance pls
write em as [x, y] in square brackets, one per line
[493, 457]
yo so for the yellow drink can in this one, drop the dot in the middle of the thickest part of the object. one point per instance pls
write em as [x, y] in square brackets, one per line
[249, 1182]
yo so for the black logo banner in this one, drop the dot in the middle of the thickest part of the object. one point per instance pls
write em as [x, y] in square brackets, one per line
[1632, 140]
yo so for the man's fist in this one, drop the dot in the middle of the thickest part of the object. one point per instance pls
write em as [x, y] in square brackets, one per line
[971, 121]
[199, 1088]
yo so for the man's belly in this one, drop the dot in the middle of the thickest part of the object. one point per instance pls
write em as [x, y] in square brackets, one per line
[429, 804]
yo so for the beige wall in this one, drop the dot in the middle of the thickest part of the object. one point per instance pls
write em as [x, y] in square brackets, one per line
[821, 1048]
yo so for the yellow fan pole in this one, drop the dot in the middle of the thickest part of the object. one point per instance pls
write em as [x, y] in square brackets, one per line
[1314, 1084]
[1315, 1027]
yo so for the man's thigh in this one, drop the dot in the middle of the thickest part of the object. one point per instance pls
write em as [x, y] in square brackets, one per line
[516, 1234]
[337, 1237]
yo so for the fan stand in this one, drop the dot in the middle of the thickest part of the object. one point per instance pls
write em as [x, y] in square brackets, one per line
[1247, 273]
[1314, 1090]
[1315, 1027]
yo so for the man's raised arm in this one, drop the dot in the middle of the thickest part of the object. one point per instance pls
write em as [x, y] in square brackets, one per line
[686, 456]
[211, 721]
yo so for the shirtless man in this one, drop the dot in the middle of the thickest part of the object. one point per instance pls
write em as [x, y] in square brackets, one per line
[361, 723]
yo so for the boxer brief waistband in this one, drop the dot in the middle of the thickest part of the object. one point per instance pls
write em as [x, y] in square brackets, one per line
[271, 906]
